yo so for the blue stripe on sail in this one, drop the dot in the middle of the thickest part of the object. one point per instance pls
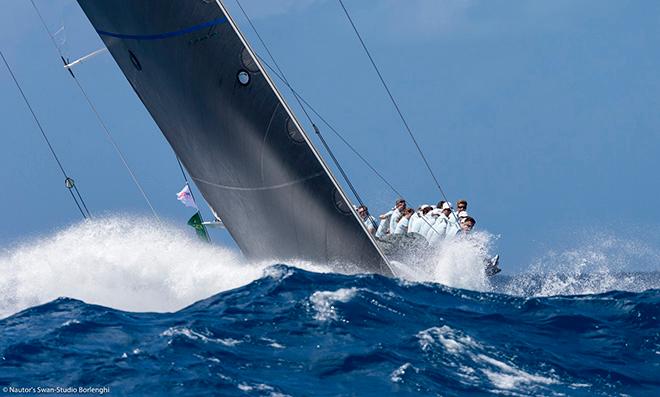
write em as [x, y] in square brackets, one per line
[163, 35]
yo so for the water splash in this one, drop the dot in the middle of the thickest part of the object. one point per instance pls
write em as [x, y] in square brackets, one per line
[132, 264]
[125, 263]
[457, 263]
[323, 302]
[595, 264]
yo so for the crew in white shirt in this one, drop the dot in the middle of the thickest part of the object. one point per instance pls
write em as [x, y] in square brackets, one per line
[384, 225]
[439, 228]
[428, 220]
[399, 207]
[402, 225]
[416, 220]
[368, 220]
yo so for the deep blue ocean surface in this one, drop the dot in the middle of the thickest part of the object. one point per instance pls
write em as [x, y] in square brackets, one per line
[299, 333]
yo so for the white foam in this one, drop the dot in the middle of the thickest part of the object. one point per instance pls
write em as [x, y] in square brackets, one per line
[453, 341]
[244, 387]
[188, 333]
[461, 347]
[322, 302]
[229, 341]
[273, 343]
[397, 375]
[69, 322]
[194, 335]
[593, 265]
[261, 387]
[505, 376]
[458, 263]
[126, 263]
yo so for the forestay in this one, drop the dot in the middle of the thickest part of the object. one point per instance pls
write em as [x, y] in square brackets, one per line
[232, 130]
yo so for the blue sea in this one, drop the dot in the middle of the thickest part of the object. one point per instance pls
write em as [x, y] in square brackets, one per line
[280, 330]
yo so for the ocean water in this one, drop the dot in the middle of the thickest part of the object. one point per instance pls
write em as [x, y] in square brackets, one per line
[110, 307]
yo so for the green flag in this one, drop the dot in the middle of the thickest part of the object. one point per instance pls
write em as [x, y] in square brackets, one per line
[196, 222]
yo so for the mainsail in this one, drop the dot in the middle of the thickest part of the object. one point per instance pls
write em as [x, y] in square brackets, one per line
[230, 127]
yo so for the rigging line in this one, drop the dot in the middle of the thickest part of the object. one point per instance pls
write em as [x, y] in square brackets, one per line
[81, 200]
[98, 116]
[43, 22]
[389, 93]
[59, 163]
[340, 136]
[182, 171]
[50, 146]
[316, 129]
[77, 204]
[119, 152]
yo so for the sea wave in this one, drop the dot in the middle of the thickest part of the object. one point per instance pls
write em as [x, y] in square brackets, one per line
[292, 332]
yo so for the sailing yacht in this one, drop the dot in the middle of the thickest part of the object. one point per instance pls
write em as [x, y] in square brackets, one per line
[233, 131]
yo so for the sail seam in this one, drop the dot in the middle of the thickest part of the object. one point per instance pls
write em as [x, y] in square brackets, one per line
[240, 188]
[166, 35]
[263, 146]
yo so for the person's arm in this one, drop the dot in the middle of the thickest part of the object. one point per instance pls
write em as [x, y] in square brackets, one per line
[386, 215]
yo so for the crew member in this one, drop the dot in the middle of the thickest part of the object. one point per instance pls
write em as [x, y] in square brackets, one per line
[461, 205]
[368, 220]
[453, 224]
[428, 220]
[399, 207]
[416, 220]
[438, 229]
[384, 225]
[402, 225]
[466, 226]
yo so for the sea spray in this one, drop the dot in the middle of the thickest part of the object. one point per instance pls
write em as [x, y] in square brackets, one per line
[138, 265]
[122, 262]
[457, 263]
[591, 264]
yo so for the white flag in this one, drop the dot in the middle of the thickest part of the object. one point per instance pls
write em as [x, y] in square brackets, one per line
[186, 197]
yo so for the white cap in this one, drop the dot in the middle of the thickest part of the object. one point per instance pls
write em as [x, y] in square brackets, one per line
[462, 214]
[424, 206]
[436, 212]
[446, 205]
